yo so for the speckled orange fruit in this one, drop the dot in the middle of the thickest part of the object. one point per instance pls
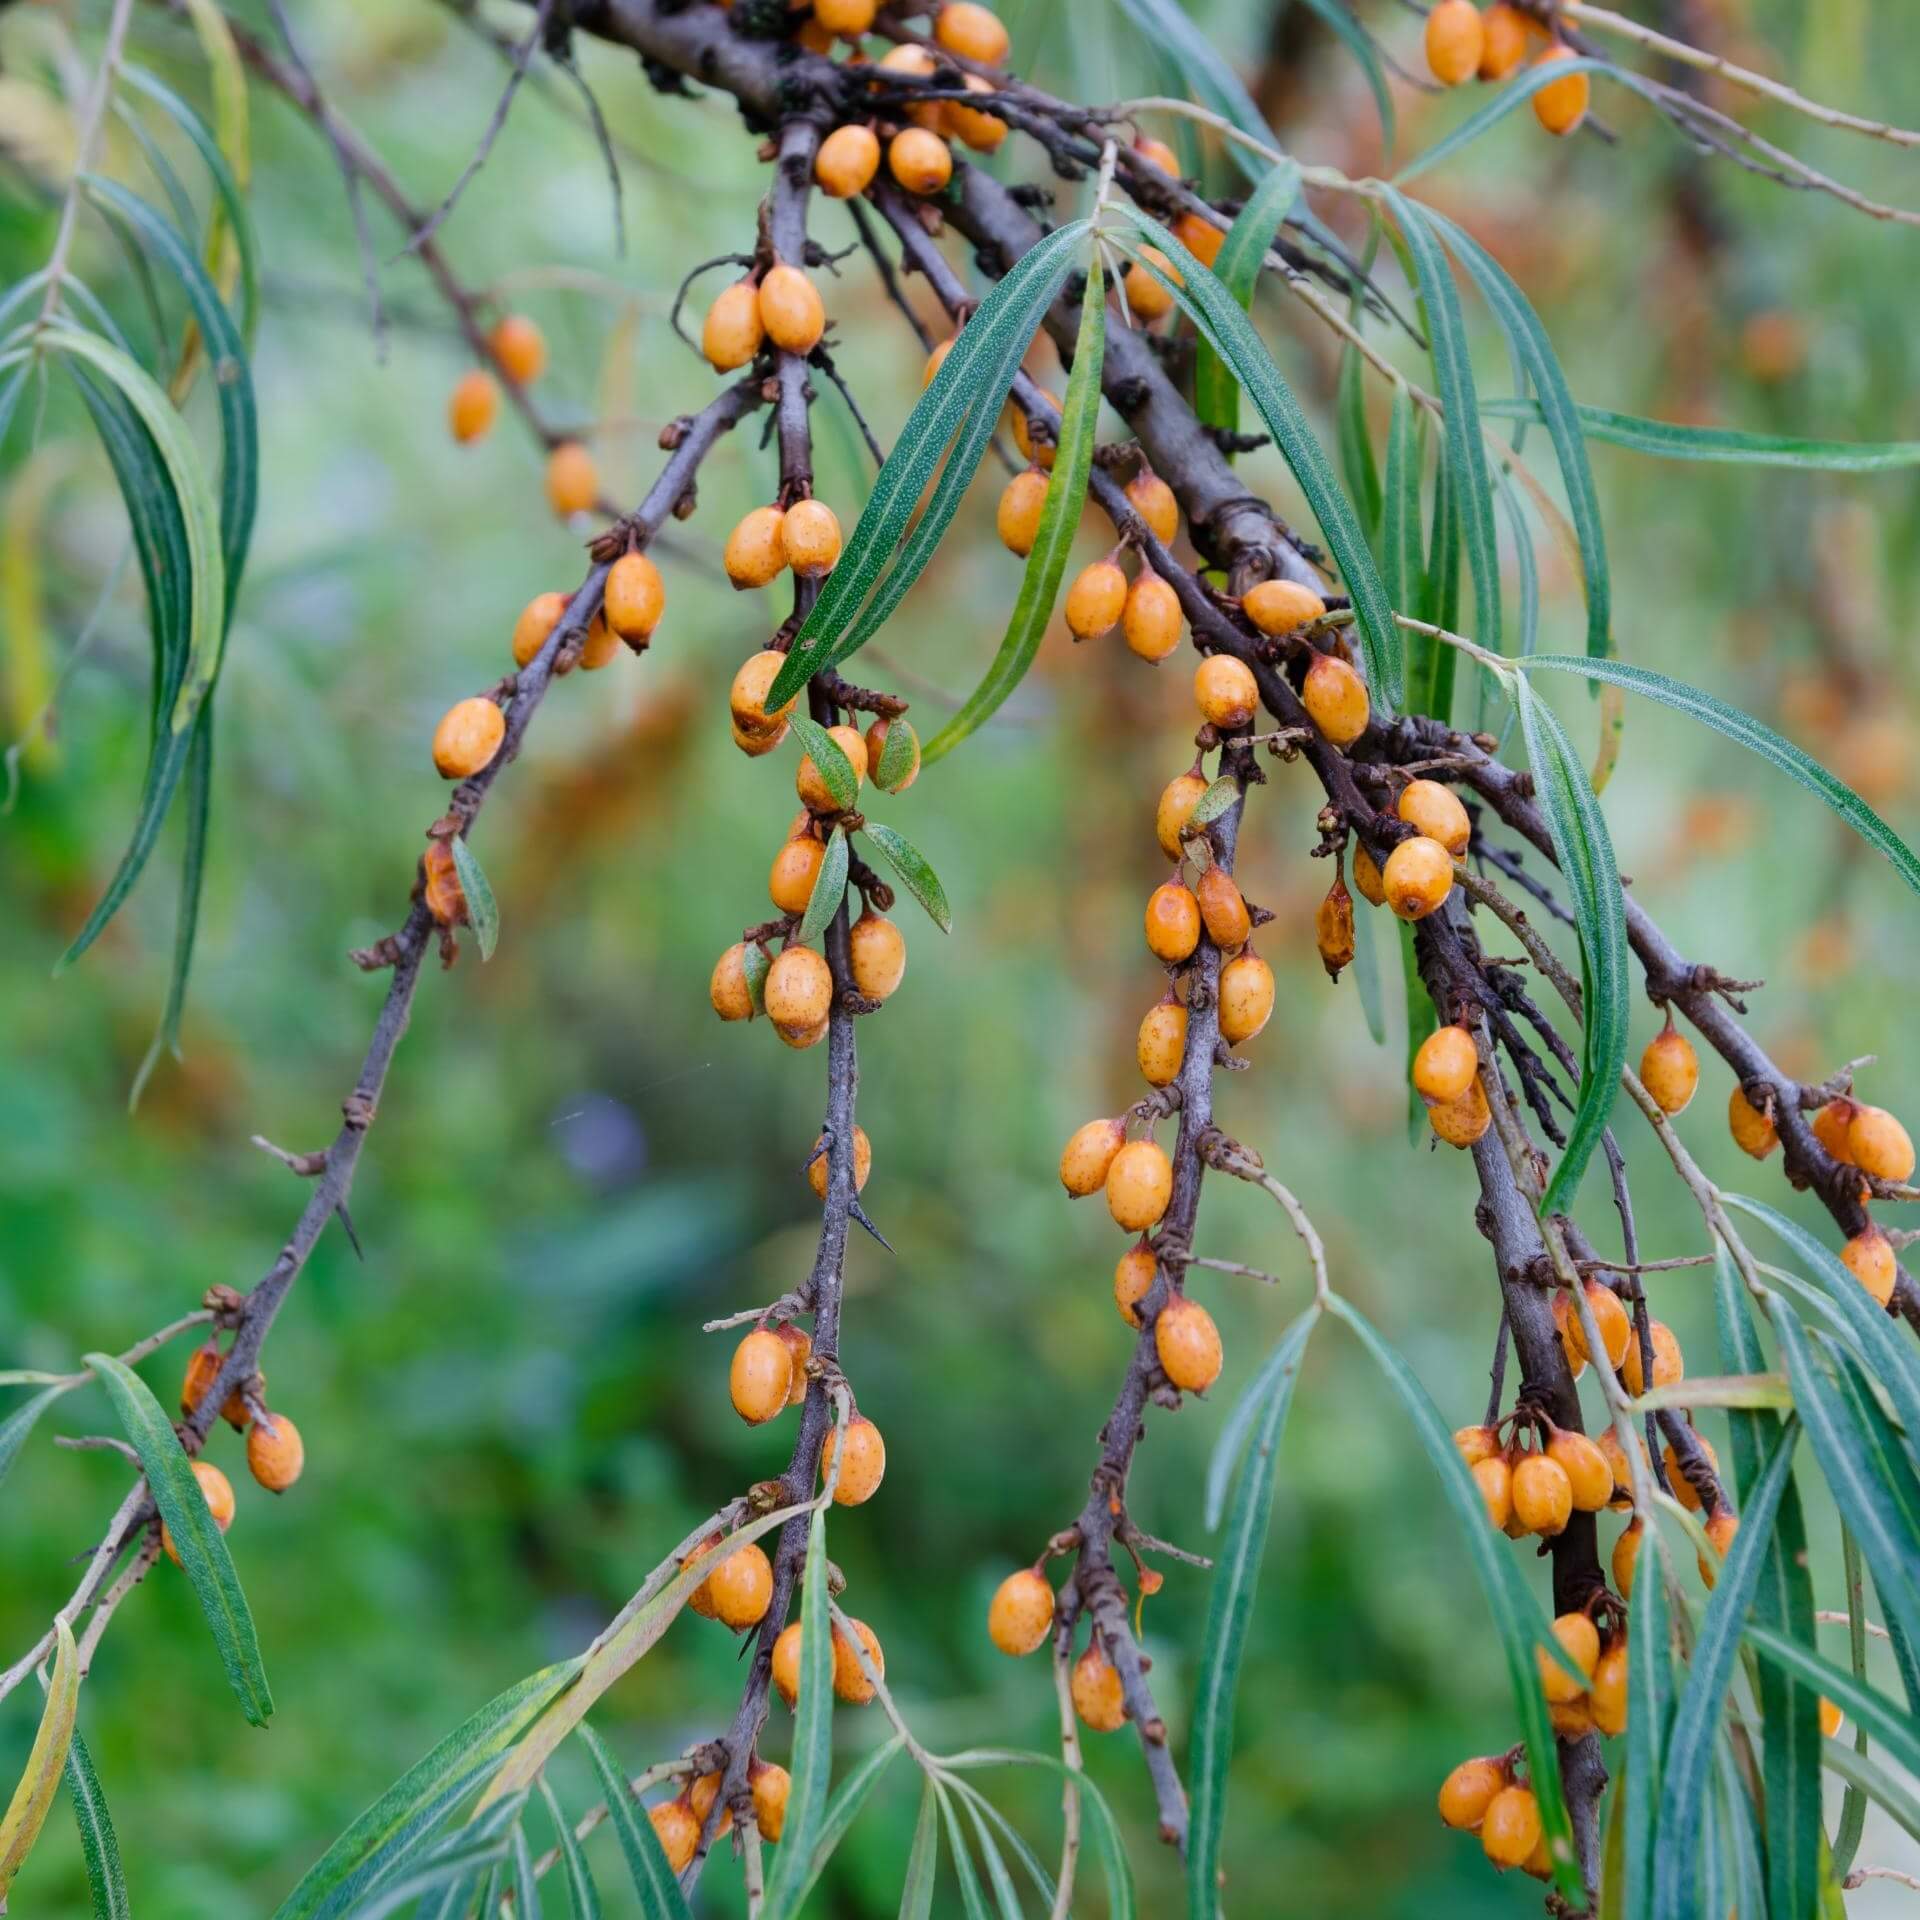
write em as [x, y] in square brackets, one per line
[217, 1490]
[1178, 798]
[1542, 1494]
[1613, 1320]
[1021, 1614]
[799, 988]
[810, 533]
[740, 1588]
[862, 1166]
[876, 955]
[920, 160]
[1188, 1344]
[573, 482]
[1366, 876]
[1445, 1065]
[747, 699]
[1281, 606]
[1510, 1827]
[1417, 878]
[1133, 1279]
[1831, 1125]
[1223, 909]
[1172, 921]
[203, 1369]
[1246, 998]
[1225, 692]
[760, 1377]
[1870, 1258]
[863, 1466]
[791, 310]
[1881, 1147]
[795, 868]
[276, 1455]
[848, 159]
[1586, 1468]
[473, 406]
[1161, 1044]
[1669, 1365]
[1152, 499]
[1670, 1069]
[850, 1682]
[1097, 599]
[1467, 1792]
[701, 1794]
[756, 550]
[728, 990]
[1150, 617]
[677, 1827]
[1017, 519]
[1097, 1694]
[1335, 698]
[520, 347]
[467, 738]
[732, 332]
[1455, 41]
[1430, 808]
[1474, 1444]
[1462, 1121]
[1087, 1156]
[1139, 1185]
[771, 1787]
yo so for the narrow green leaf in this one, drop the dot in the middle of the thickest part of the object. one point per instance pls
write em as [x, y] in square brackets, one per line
[40, 1780]
[388, 1832]
[1649, 1718]
[482, 909]
[1892, 1726]
[1668, 440]
[1747, 732]
[1102, 1829]
[1357, 466]
[1236, 1574]
[756, 965]
[653, 1879]
[899, 755]
[1169, 30]
[99, 1845]
[911, 865]
[829, 889]
[583, 1897]
[812, 1758]
[1584, 851]
[189, 1522]
[985, 1816]
[1059, 524]
[1276, 1373]
[1218, 798]
[1401, 565]
[1875, 1782]
[834, 768]
[1887, 1457]
[526, 1888]
[1613, 1853]
[1352, 35]
[20, 1422]
[849, 1799]
[923, 1863]
[1517, 91]
[1216, 393]
[1005, 1896]
[971, 1896]
[1853, 1805]
[454, 1873]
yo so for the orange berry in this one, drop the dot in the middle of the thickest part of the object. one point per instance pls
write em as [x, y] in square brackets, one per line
[1133, 1279]
[1152, 499]
[534, 628]
[1870, 1258]
[771, 1785]
[1668, 1363]
[935, 360]
[1162, 1043]
[635, 599]
[1586, 1468]
[1089, 1155]
[799, 1343]
[799, 988]
[1462, 1121]
[701, 1794]
[848, 159]
[1333, 928]
[1542, 1494]
[1139, 1185]
[1335, 698]
[917, 61]
[217, 1490]
[599, 644]
[1151, 616]
[761, 1377]
[698, 1599]
[1474, 1444]
[756, 551]
[1098, 1697]
[740, 1588]
[573, 482]
[1188, 1344]
[1021, 1614]
[1223, 909]
[1034, 450]
[810, 534]
[1178, 798]
[920, 160]
[1097, 599]
[1607, 1695]
[1831, 1125]
[1618, 1463]
[473, 407]
[728, 990]
[1455, 41]
[1246, 997]
[747, 699]
[1149, 297]
[1722, 1525]
[1430, 808]
[1561, 105]
[203, 1369]
[980, 130]
[877, 955]
[1670, 1069]
[848, 18]
[1510, 1827]
[1503, 40]
[1880, 1145]
[810, 784]
[1201, 238]
[791, 310]
[864, 1465]
[677, 1827]
[1467, 1792]
[1281, 606]
[1446, 1064]
[1417, 878]
[1494, 1478]
[521, 349]
[467, 738]
[1156, 153]
[1226, 692]
[1172, 921]
[1613, 1320]
[1683, 1489]
[973, 32]
[446, 899]
[1366, 876]
[1626, 1556]
[862, 1165]
[1018, 517]
[850, 1682]
[275, 1452]
[732, 332]
[1831, 1718]
[786, 1663]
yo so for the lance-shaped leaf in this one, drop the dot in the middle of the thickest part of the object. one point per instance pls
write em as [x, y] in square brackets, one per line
[1516, 93]
[1649, 1715]
[653, 1878]
[923, 1863]
[482, 909]
[99, 1845]
[829, 888]
[1219, 797]
[1892, 1726]
[812, 1755]
[583, 1897]
[1723, 446]
[1216, 392]
[1402, 567]
[20, 1422]
[899, 756]
[849, 1798]
[32, 1798]
[918, 877]
[1357, 465]
[830, 762]
[1059, 523]
[1876, 1783]
[1103, 1828]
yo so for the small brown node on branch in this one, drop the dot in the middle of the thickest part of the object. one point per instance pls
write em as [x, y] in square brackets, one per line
[359, 1111]
[227, 1304]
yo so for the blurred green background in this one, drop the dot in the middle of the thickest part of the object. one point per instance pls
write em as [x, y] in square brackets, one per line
[509, 1410]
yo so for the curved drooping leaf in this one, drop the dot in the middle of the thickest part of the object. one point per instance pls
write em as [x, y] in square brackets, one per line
[1229, 331]
[189, 1523]
[454, 1874]
[1853, 1805]
[812, 1757]
[39, 1781]
[1747, 732]
[99, 1845]
[483, 910]
[1059, 523]
[829, 889]
[971, 1897]
[20, 1422]
[1275, 1375]
[844, 1808]
[1649, 1718]
[654, 1882]
[1584, 850]
[583, 1897]
[1876, 1783]
[1358, 467]
[1216, 393]
[1103, 1829]
[1515, 93]
[918, 877]
[1725, 446]
[1892, 1726]
[923, 1863]
[1402, 565]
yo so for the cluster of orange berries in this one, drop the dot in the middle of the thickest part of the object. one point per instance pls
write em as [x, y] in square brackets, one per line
[1481, 1796]
[275, 1452]
[1464, 43]
[520, 350]
[1537, 1490]
[681, 1821]
[1019, 1618]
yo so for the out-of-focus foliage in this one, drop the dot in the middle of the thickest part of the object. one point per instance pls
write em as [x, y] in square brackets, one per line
[509, 1410]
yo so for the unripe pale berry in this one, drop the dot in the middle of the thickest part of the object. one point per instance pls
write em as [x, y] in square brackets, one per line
[1670, 1069]
[1542, 1494]
[1225, 691]
[980, 130]
[1172, 921]
[467, 738]
[473, 406]
[1188, 1344]
[1510, 1827]
[1467, 1792]
[741, 1587]
[920, 160]
[1096, 601]
[1683, 1489]
[1870, 1258]
[1613, 1320]
[791, 310]
[1669, 1365]
[732, 332]
[1246, 997]
[677, 1828]
[534, 628]
[876, 747]
[771, 1786]
[1455, 41]
[217, 1490]
[1586, 1468]
[1021, 1614]
[1139, 1185]
[1178, 798]
[1133, 1279]
[1152, 499]
[1098, 1697]
[1333, 928]
[728, 990]
[1880, 1145]
[598, 645]
[1034, 450]
[1162, 1043]
[1280, 606]
[1607, 1694]
[1366, 876]
[876, 954]
[848, 159]
[1460, 1122]
[974, 32]
[1561, 105]
[810, 784]
[799, 988]
[1151, 617]
[1417, 878]
[1087, 1156]
[850, 1682]
[761, 1377]
[1157, 153]
[1446, 1064]
[795, 868]
[1494, 1477]
[864, 1464]
[756, 550]
[1430, 808]
[520, 347]
[1335, 698]
[747, 699]
[1148, 295]
[573, 482]
[1223, 909]
[1503, 40]
[811, 535]
[276, 1454]
[862, 1166]
[1017, 519]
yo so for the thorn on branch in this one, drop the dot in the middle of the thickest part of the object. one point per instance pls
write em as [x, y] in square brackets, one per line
[307, 1165]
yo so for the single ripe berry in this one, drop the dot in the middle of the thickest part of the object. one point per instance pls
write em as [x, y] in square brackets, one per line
[728, 990]
[698, 1598]
[786, 1663]
[275, 1452]
[1418, 877]
[1225, 691]
[864, 1464]
[1162, 1043]
[467, 738]
[1467, 1792]
[1626, 1555]
[799, 988]
[1616, 1327]
[1201, 238]
[920, 160]
[1510, 1827]
[1580, 1640]
[1831, 1718]
[732, 332]
[1831, 1125]
[534, 628]
[1133, 1279]
[1335, 698]
[1474, 1444]
[1542, 1494]
[635, 599]
[1460, 1122]
[473, 406]
[1870, 1258]
[1281, 606]
[1333, 928]
[741, 1588]
[1151, 617]
[1561, 105]
[1366, 876]
[573, 482]
[973, 32]
[771, 1785]
[919, 63]
[599, 644]
[1017, 519]
[1446, 1064]
[862, 1166]
[748, 698]
[1683, 1489]
[1618, 1464]
[1503, 40]
[1149, 297]
[811, 535]
[1152, 499]
[761, 1377]
[1670, 1069]
[980, 130]
[1156, 153]
[848, 159]
[1172, 921]
[1178, 798]
[799, 1343]
[1428, 807]
[811, 785]
[1223, 909]
[1494, 1477]
[850, 1682]
[677, 1827]
[1087, 1157]
[1139, 1185]
[1096, 601]
[1188, 1344]
[203, 1369]
[877, 955]
[217, 1490]
[1456, 40]
[850, 18]
[1669, 1365]
[1586, 1468]
[1037, 452]
[1021, 1614]
[521, 349]
[1607, 1694]
[1722, 1525]
[1098, 1697]
[1246, 997]
[756, 550]
[701, 1794]
[876, 749]
[1880, 1145]
[791, 310]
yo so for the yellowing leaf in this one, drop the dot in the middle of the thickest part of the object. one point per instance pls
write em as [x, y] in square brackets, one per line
[27, 1812]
